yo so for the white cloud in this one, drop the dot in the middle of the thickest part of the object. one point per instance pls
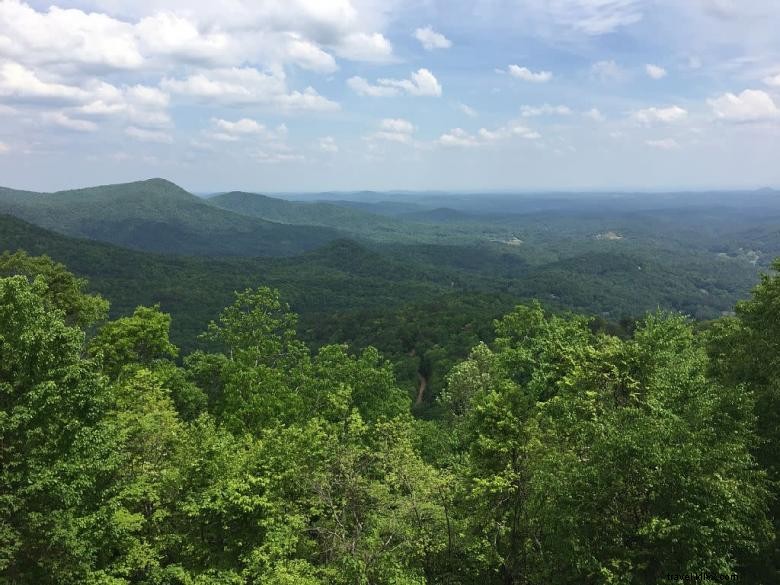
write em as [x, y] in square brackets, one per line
[458, 137]
[19, 82]
[64, 121]
[167, 34]
[308, 55]
[527, 75]
[589, 17]
[364, 47]
[752, 105]
[328, 144]
[544, 110]
[663, 144]
[655, 72]
[148, 135]
[607, 71]
[394, 130]
[660, 115]
[4, 148]
[430, 39]
[772, 80]
[362, 87]
[469, 111]
[421, 83]
[595, 115]
[228, 131]
[67, 37]
[247, 85]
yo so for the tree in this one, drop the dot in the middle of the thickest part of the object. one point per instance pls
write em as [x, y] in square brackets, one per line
[140, 339]
[53, 452]
[596, 460]
[64, 291]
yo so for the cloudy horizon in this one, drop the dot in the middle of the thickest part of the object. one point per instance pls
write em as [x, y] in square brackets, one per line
[316, 95]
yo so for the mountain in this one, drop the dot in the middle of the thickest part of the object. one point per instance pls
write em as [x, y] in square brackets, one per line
[157, 215]
[339, 276]
[316, 213]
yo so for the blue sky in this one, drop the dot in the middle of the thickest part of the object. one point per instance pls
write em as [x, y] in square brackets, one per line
[308, 95]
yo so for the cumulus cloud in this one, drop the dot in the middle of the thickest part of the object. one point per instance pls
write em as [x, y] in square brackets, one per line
[430, 39]
[249, 86]
[229, 131]
[421, 83]
[663, 144]
[526, 74]
[69, 38]
[772, 80]
[23, 84]
[458, 137]
[668, 115]
[364, 47]
[308, 56]
[394, 130]
[752, 105]
[655, 71]
[544, 110]
[64, 121]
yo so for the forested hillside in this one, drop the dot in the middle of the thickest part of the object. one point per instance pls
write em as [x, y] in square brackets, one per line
[562, 454]
[158, 216]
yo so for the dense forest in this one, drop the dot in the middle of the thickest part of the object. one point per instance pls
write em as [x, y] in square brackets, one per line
[561, 453]
[352, 390]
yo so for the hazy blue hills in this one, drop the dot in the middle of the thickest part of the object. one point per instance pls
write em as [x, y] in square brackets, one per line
[157, 215]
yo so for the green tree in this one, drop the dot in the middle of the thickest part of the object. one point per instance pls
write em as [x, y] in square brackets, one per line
[64, 291]
[53, 452]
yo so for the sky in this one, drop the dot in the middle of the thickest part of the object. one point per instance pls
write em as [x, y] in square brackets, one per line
[316, 95]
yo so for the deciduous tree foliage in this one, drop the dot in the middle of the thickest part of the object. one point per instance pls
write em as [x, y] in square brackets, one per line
[564, 455]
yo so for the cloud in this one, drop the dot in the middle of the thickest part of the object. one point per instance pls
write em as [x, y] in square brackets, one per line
[148, 135]
[595, 115]
[607, 71]
[365, 47]
[544, 110]
[527, 75]
[247, 85]
[458, 137]
[328, 144]
[431, 40]
[589, 17]
[469, 111]
[19, 82]
[663, 144]
[394, 130]
[69, 38]
[752, 105]
[772, 80]
[228, 131]
[655, 72]
[309, 56]
[170, 35]
[668, 115]
[4, 148]
[64, 121]
[420, 83]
